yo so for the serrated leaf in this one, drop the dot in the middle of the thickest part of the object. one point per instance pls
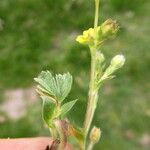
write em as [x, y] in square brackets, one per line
[47, 82]
[64, 83]
[49, 110]
[59, 87]
[67, 107]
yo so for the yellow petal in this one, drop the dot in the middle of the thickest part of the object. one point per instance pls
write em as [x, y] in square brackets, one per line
[91, 32]
[81, 39]
[85, 34]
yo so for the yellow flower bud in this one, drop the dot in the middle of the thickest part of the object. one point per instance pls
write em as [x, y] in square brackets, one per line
[95, 134]
[109, 27]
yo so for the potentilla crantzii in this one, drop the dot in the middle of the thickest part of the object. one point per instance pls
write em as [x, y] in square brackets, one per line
[54, 89]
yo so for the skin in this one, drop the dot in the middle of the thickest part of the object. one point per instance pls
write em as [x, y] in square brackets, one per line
[38, 143]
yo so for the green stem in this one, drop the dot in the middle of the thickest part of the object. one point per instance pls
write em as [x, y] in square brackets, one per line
[97, 2]
[53, 132]
[92, 97]
[91, 145]
[93, 93]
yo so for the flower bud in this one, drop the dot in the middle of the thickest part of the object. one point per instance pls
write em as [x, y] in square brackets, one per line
[117, 61]
[95, 134]
[109, 28]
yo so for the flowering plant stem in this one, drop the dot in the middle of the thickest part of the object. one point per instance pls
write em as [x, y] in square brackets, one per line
[93, 96]
[93, 92]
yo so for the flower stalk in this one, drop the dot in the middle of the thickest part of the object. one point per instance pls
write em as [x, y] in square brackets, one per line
[95, 136]
[93, 92]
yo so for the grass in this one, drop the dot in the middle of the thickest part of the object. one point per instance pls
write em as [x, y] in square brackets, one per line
[39, 34]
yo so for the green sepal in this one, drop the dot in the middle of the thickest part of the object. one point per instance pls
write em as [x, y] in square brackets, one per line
[67, 107]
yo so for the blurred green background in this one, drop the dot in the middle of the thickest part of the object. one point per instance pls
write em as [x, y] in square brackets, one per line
[37, 35]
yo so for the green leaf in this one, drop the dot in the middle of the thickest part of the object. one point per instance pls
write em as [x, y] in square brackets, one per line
[42, 90]
[59, 87]
[66, 107]
[64, 83]
[47, 81]
[49, 110]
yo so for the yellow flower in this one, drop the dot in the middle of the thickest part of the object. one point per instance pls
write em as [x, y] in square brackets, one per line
[107, 29]
[87, 37]
[81, 39]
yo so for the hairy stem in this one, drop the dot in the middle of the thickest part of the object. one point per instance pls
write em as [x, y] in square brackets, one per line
[92, 100]
[90, 146]
[62, 128]
[96, 13]
[93, 93]
[53, 132]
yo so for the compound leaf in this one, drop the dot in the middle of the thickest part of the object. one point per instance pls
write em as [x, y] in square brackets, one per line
[58, 86]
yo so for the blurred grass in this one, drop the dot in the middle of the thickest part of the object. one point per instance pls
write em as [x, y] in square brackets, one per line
[121, 5]
[39, 34]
